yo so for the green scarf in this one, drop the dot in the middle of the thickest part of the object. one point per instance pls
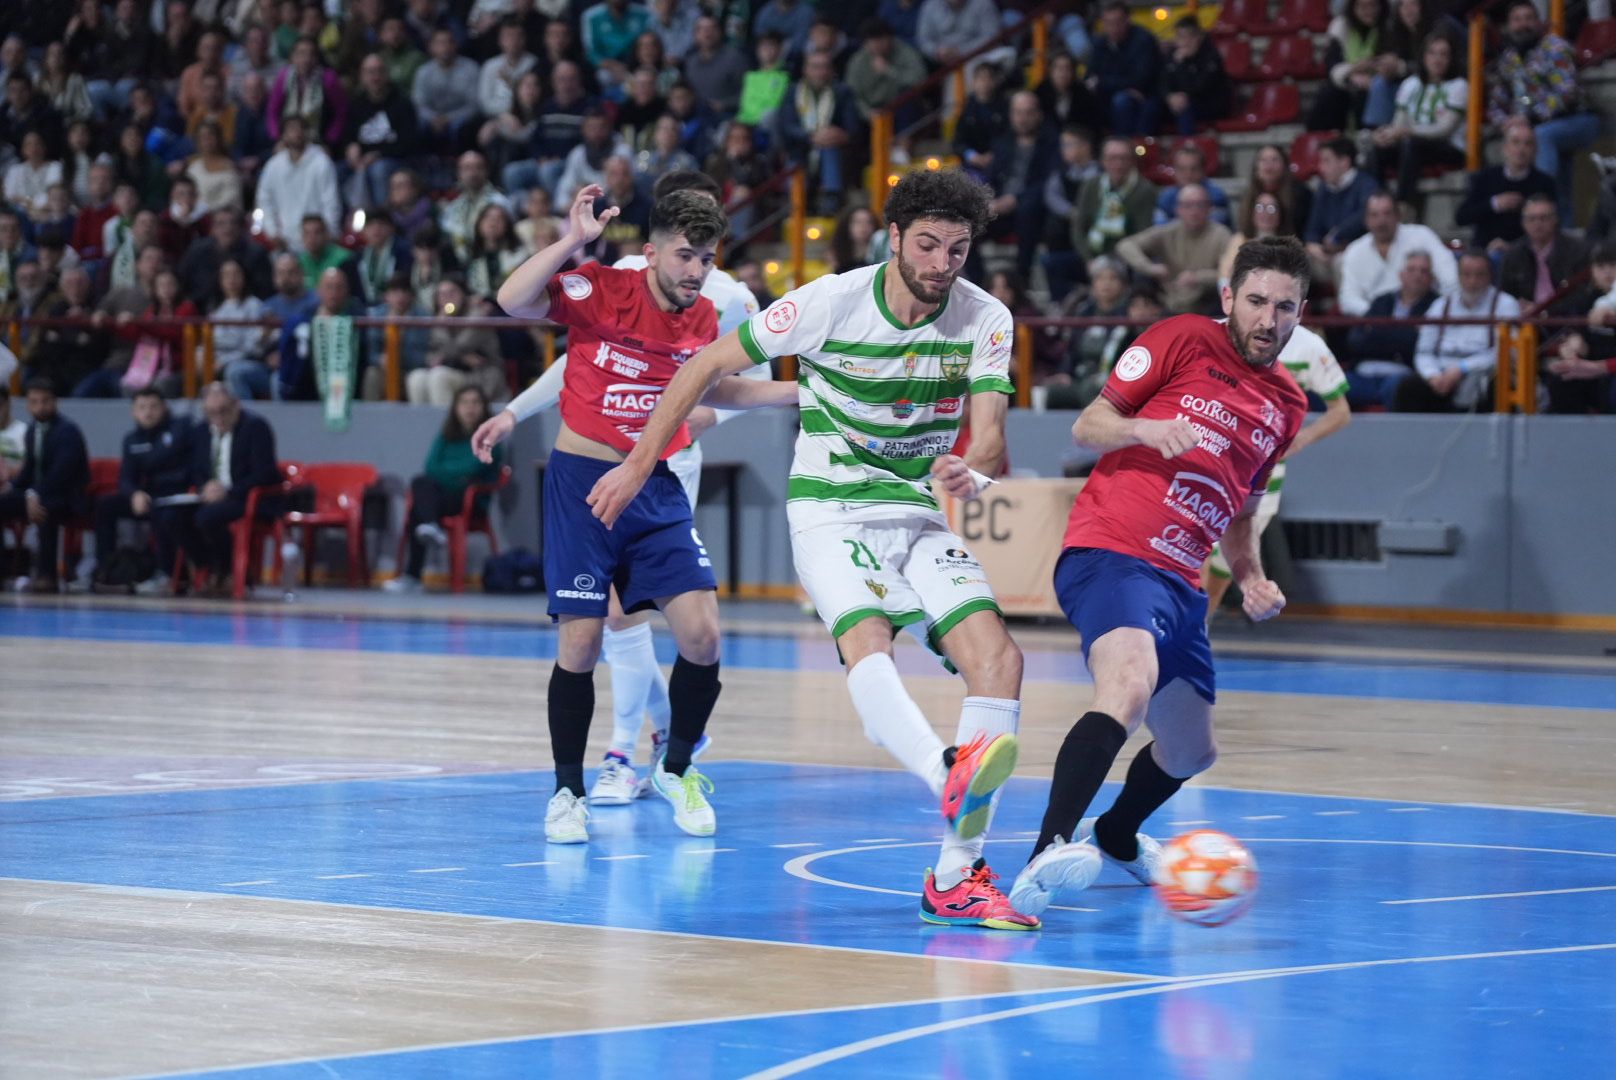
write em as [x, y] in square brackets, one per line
[336, 366]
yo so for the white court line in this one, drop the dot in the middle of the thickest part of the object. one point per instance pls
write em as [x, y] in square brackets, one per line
[337, 877]
[806, 843]
[707, 851]
[618, 858]
[541, 862]
[1263, 817]
[1427, 843]
[437, 870]
[1334, 813]
[881, 840]
[1504, 895]
[238, 884]
[798, 867]
[839, 1053]
[1408, 809]
[1185, 824]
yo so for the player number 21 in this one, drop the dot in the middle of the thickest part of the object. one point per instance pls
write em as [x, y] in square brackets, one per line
[863, 557]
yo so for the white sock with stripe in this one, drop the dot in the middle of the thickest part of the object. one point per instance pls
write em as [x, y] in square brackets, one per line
[978, 715]
[893, 720]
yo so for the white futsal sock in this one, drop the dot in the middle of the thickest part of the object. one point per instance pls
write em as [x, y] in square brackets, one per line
[978, 715]
[636, 684]
[893, 720]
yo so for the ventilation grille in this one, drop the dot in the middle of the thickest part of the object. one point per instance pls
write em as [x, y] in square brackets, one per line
[1333, 541]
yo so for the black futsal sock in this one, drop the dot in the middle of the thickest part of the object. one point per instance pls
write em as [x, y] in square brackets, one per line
[1085, 757]
[692, 693]
[572, 706]
[1143, 793]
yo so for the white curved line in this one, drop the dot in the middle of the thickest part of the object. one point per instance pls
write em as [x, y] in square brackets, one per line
[1425, 843]
[798, 868]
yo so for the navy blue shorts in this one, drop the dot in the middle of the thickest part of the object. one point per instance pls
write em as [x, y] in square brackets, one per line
[1101, 590]
[652, 551]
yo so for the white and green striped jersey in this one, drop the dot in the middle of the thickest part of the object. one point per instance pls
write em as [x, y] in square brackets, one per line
[1314, 367]
[879, 400]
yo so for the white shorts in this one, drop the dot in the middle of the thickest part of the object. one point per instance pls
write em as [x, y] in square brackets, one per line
[1267, 510]
[914, 573]
[686, 465]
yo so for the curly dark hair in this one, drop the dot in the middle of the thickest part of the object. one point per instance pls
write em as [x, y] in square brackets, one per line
[1281, 254]
[690, 214]
[944, 195]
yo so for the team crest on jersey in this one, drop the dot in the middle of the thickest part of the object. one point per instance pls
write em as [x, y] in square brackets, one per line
[1133, 363]
[576, 286]
[955, 365]
[1272, 417]
[903, 408]
[780, 317]
[878, 589]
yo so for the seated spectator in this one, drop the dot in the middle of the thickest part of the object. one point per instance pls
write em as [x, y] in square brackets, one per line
[159, 345]
[1371, 263]
[13, 431]
[1494, 195]
[31, 297]
[714, 68]
[431, 259]
[1270, 173]
[1402, 44]
[1007, 287]
[650, 55]
[398, 52]
[89, 229]
[1183, 255]
[53, 484]
[764, 87]
[1352, 59]
[497, 79]
[1336, 218]
[184, 222]
[427, 17]
[213, 107]
[291, 297]
[294, 361]
[539, 218]
[903, 16]
[749, 272]
[70, 356]
[561, 46]
[1538, 265]
[1125, 72]
[608, 30]
[319, 254]
[24, 111]
[1092, 350]
[509, 135]
[458, 217]
[664, 155]
[407, 203]
[1064, 98]
[883, 68]
[819, 127]
[445, 96]
[1189, 167]
[385, 253]
[740, 169]
[398, 302]
[586, 163]
[119, 270]
[115, 51]
[557, 133]
[155, 463]
[496, 250]
[850, 241]
[117, 309]
[138, 167]
[309, 90]
[1428, 128]
[1261, 215]
[14, 250]
[80, 159]
[28, 179]
[440, 490]
[1024, 157]
[209, 61]
[252, 145]
[947, 30]
[58, 220]
[228, 239]
[231, 453]
[239, 351]
[179, 34]
[298, 182]
[1063, 267]
[210, 168]
[64, 87]
[382, 133]
[1384, 354]
[253, 58]
[457, 357]
[1580, 366]
[983, 120]
[1535, 77]
[1454, 365]
[673, 25]
[626, 233]
[639, 109]
[1117, 203]
[1194, 85]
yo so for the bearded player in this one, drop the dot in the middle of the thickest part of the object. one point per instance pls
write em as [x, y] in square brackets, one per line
[1192, 421]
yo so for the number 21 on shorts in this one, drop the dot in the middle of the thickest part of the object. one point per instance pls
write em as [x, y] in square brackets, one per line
[862, 556]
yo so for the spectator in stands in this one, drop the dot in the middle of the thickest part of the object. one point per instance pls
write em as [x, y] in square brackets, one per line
[155, 462]
[1539, 265]
[819, 126]
[209, 61]
[308, 89]
[586, 163]
[1063, 267]
[297, 182]
[608, 30]
[199, 267]
[626, 233]
[1402, 44]
[14, 250]
[319, 254]
[179, 35]
[155, 335]
[440, 490]
[14, 57]
[232, 453]
[1064, 98]
[1271, 174]
[25, 111]
[398, 301]
[253, 58]
[1383, 355]
[426, 17]
[457, 357]
[1428, 127]
[1125, 72]
[749, 272]
[79, 158]
[539, 217]
[291, 297]
[497, 251]
[31, 297]
[1117, 203]
[764, 88]
[1194, 86]
[983, 119]
[239, 351]
[1352, 59]
[639, 109]
[141, 169]
[1024, 157]
[946, 31]
[89, 230]
[252, 145]
[64, 87]
[217, 180]
[739, 169]
[120, 306]
[850, 240]
[716, 69]
[69, 355]
[1454, 365]
[89, 38]
[294, 364]
[1371, 263]
[496, 82]
[1495, 195]
[54, 254]
[53, 484]
[445, 96]
[383, 255]
[1189, 167]
[1535, 77]
[1262, 214]
[431, 259]
[558, 132]
[382, 134]
[788, 18]
[883, 68]
[407, 204]
[184, 222]
[1092, 350]
[1581, 364]
[28, 178]
[674, 24]
[825, 35]
[398, 52]
[508, 136]
[1336, 218]
[903, 16]
[664, 155]
[1183, 255]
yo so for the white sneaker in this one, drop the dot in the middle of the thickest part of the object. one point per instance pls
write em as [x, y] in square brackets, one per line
[156, 585]
[566, 819]
[431, 534]
[659, 746]
[615, 784]
[1059, 867]
[402, 584]
[1143, 866]
[687, 794]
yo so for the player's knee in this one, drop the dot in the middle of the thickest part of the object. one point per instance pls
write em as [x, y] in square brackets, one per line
[699, 644]
[998, 672]
[1184, 762]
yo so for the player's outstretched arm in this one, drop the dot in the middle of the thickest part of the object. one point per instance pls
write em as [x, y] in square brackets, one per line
[523, 295]
[737, 393]
[1261, 598]
[1102, 427]
[613, 492]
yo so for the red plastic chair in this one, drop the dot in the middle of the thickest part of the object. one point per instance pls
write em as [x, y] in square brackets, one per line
[1236, 53]
[1291, 55]
[103, 481]
[1240, 17]
[248, 533]
[1305, 153]
[459, 527]
[1596, 42]
[1270, 104]
[339, 502]
[1297, 15]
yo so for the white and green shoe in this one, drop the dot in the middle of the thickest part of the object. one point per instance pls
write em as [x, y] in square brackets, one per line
[687, 794]
[566, 819]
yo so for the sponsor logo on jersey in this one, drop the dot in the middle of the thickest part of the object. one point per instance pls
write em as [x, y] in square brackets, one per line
[1212, 409]
[917, 446]
[1213, 442]
[955, 557]
[1201, 499]
[876, 587]
[955, 365]
[909, 362]
[1179, 545]
[969, 581]
[903, 408]
[780, 317]
[629, 399]
[856, 369]
[948, 406]
[576, 286]
[1271, 416]
[1133, 364]
[1223, 376]
[583, 588]
[621, 363]
[1264, 441]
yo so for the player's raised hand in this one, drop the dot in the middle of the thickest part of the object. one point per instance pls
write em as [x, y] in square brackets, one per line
[1262, 600]
[585, 226]
[613, 492]
[493, 431]
[1170, 437]
[952, 474]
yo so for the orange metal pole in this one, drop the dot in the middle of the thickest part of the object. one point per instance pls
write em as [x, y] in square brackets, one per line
[392, 342]
[1526, 369]
[188, 358]
[880, 157]
[209, 357]
[956, 105]
[1023, 367]
[549, 349]
[1040, 50]
[1557, 18]
[1504, 372]
[1478, 91]
[797, 227]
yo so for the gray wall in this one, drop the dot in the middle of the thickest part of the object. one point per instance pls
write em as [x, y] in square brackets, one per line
[1532, 500]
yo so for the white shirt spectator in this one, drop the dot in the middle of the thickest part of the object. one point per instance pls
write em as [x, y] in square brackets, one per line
[26, 185]
[496, 85]
[1365, 273]
[288, 190]
[577, 171]
[960, 25]
[1471, 349]
[1435, 112]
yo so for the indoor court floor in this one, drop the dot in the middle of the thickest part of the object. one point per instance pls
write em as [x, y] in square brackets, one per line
[306, 840]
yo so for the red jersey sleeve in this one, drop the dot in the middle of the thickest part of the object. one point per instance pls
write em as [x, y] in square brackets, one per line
[1143, 368]
[578, 297]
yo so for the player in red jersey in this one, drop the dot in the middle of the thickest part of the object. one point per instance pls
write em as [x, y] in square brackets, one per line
[629, 331]
[1192, 421]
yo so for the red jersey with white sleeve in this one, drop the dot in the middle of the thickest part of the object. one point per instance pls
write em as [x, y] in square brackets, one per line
[622, 351]
[1169, 512]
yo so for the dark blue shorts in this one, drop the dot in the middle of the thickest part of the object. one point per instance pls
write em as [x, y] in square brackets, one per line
[652, 551]
[1101, 590]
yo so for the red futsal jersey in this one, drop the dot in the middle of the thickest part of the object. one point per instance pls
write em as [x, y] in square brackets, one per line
[1170, 512]
[622, 351]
